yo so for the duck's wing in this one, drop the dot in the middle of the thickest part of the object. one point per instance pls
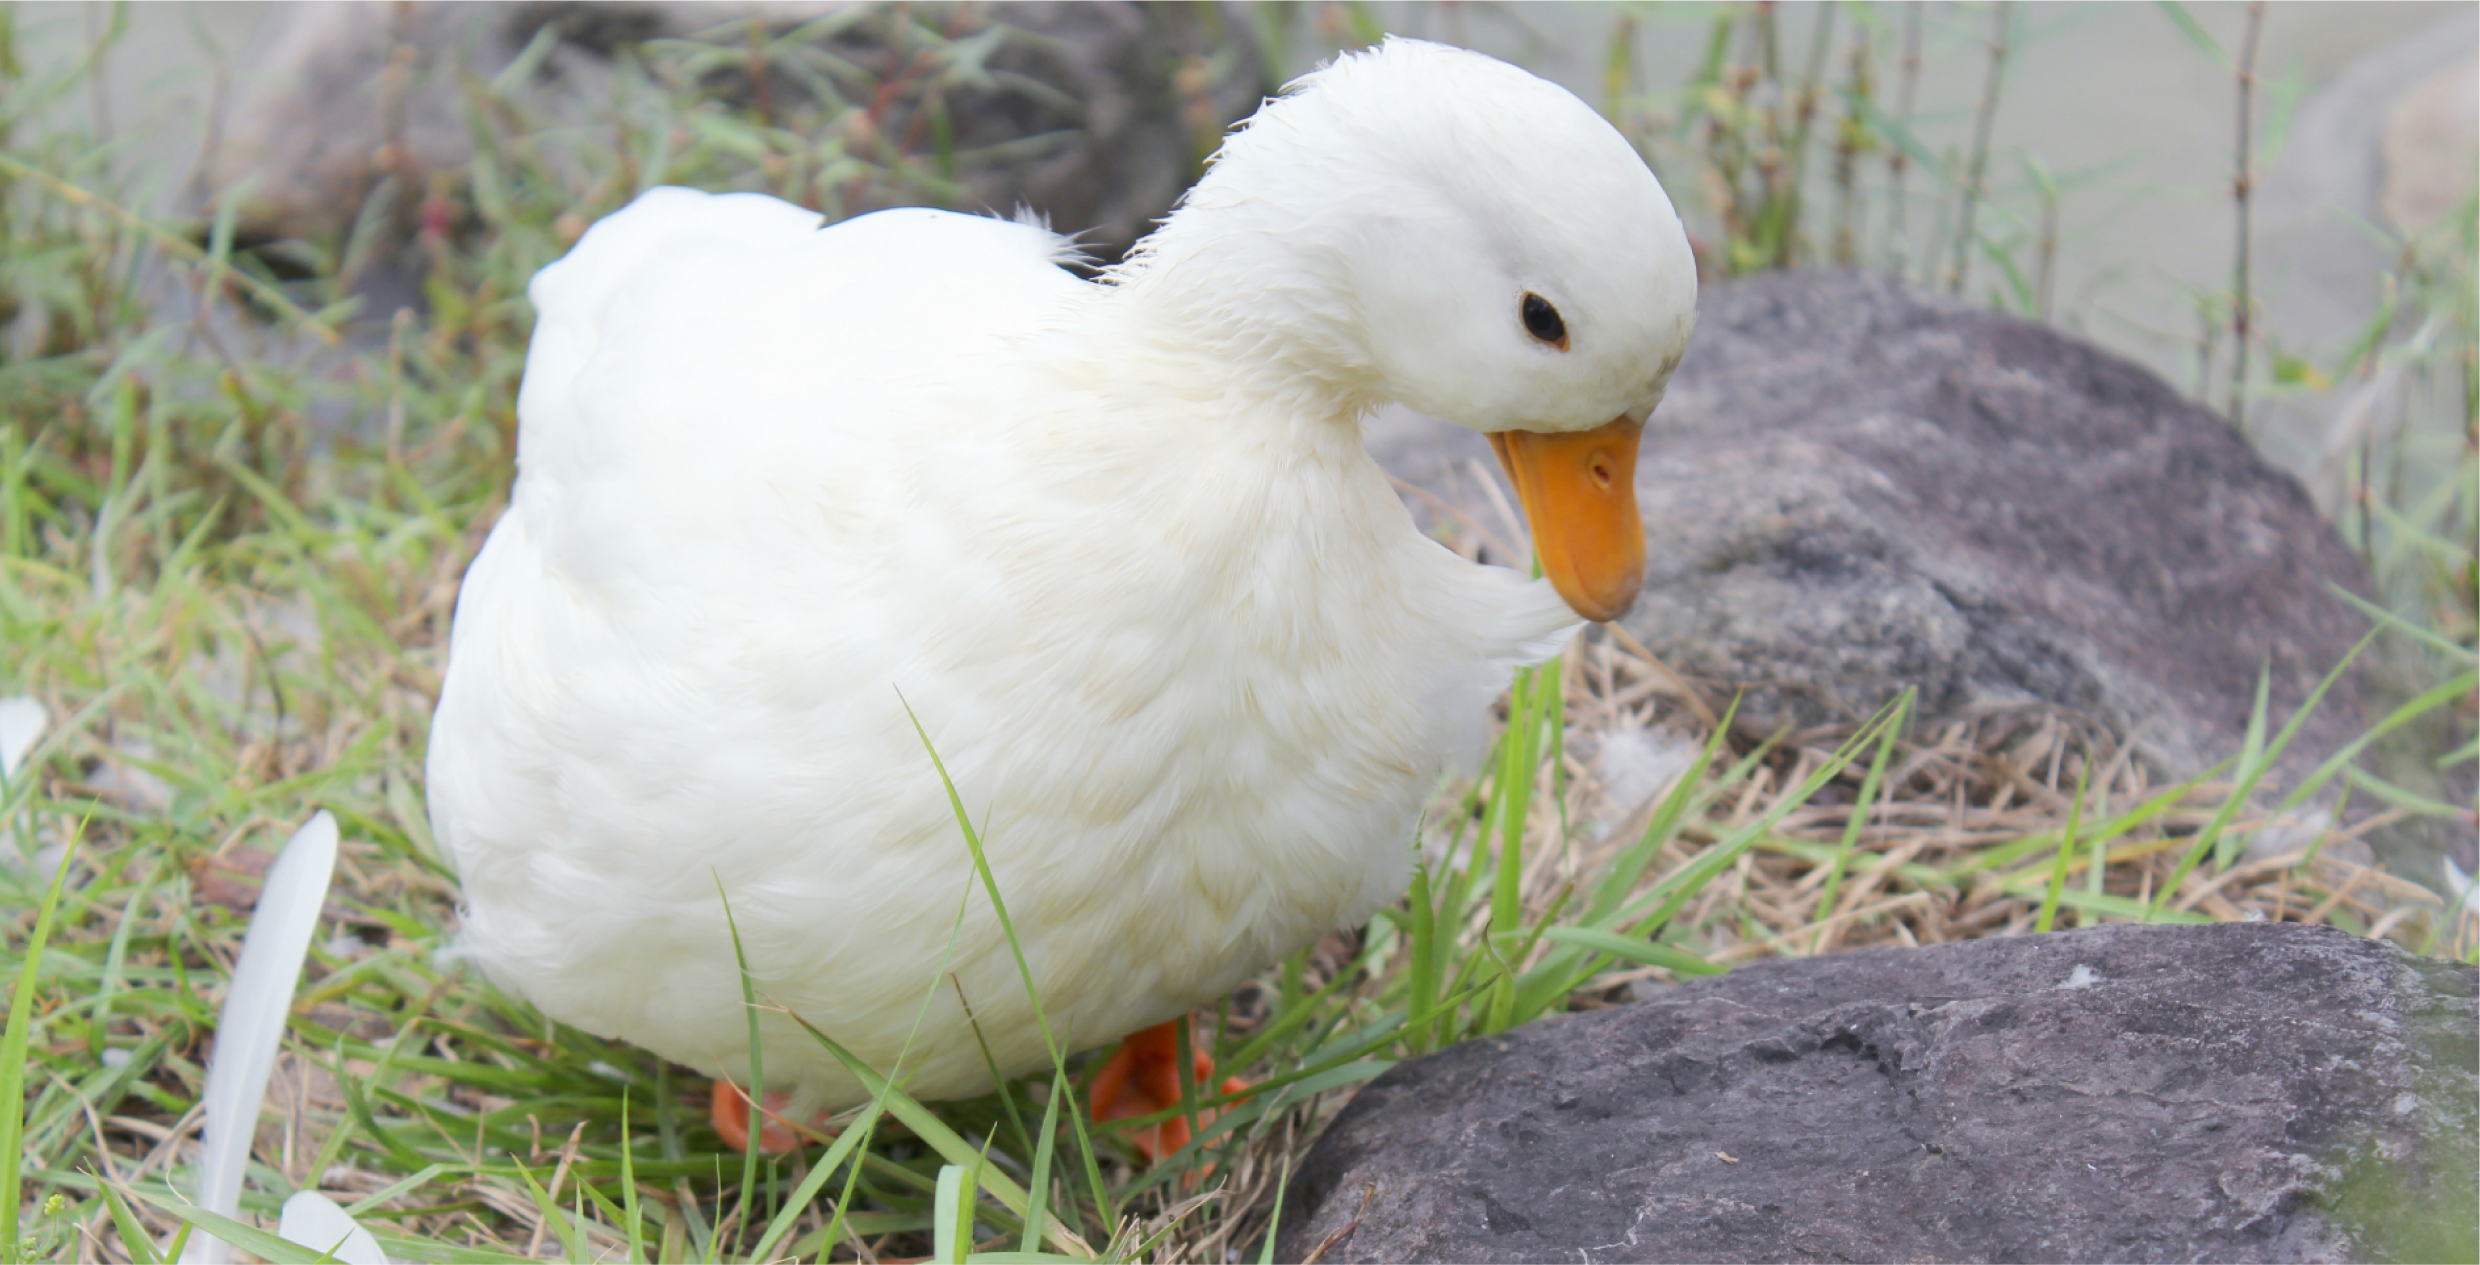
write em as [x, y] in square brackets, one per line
[738, 459]
[726, 418]
[714, 370]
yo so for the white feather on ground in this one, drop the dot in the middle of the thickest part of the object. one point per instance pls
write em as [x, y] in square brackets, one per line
[2458, 887]
[22, 720]
[314, 1221]
[252, 1025]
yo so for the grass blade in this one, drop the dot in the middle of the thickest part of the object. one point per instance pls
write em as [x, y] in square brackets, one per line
[950, 1146]
[13, 1050]
[2194, 30]
[2066, 853]
[1632, 949]
[1860, 812]
[1038, 1185]
[949, 1242]
[1024, 971]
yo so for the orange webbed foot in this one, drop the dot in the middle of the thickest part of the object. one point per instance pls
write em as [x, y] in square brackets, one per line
[775, 1136]
[1142, 1077]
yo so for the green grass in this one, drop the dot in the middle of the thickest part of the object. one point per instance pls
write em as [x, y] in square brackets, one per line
[237, 614]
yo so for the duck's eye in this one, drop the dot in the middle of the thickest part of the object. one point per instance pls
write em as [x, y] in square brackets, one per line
[1542, 321]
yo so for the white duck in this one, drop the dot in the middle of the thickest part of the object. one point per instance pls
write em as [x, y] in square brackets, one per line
[1116, 542]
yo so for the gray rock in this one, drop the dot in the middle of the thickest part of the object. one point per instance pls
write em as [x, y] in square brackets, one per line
[2340, 183]
[2369, 160]
[2432, 146]
[2238, 1092]
[1853, 488]
[1097, 115]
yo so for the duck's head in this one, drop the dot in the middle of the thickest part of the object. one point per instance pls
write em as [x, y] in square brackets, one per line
[1422, 224]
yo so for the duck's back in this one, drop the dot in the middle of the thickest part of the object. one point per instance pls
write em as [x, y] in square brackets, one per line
[770, 475]
[695, 350]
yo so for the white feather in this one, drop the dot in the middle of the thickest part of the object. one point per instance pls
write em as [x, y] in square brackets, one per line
[314, 1221]
[22, 720]
[2459, 888]
[252, 1024]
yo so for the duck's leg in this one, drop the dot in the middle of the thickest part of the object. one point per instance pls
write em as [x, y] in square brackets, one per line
[731, 1116]
[1143, 1077]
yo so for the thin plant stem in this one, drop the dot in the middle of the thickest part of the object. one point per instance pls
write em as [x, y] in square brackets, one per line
[1898, 158]
[2242, 186]
[1795, 159]
[2208, 339]
[1850, 139]
[2046, 282]
[2049, 252]
[1977, 167]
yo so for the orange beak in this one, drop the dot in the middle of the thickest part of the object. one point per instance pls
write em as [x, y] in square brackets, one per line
[1579, 489]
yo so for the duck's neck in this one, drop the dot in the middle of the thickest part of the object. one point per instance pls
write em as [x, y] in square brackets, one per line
[1242, 286]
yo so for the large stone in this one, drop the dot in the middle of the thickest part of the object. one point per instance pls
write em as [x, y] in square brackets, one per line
[2238, 1092]
[1854, 488]
[1097, 115]
[2432, 147]
[2380, 149]
[2371, 161]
